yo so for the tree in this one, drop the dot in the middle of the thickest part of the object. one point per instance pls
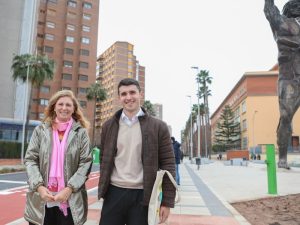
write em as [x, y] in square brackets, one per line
[204, 80]
[97, 93]
[149, 108]
[39, 68]
[228, 131]
[35, 68]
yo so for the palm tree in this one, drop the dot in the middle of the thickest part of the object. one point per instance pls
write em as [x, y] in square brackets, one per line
[39, 68]
[97, 93]
[36, 69]
[204, 80]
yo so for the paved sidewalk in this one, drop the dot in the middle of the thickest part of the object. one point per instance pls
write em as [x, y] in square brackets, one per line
[206, 193]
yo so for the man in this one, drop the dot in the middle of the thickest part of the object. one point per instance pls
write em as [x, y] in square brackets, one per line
[177, 153]
[286, 32]
[134, 146]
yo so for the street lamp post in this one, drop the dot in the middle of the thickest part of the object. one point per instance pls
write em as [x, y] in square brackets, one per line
[191, 132]
[198, 114]
[25, 114]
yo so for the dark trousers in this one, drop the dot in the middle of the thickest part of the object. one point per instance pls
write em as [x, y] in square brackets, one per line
[123, 206]
[55, 216]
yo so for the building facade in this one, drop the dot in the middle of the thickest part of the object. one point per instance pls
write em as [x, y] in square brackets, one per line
[114, 64]
[18, 22]
[158, 109]
[254, 101]
[67, 32]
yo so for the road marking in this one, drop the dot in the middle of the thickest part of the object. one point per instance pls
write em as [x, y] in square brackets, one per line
[13, 182]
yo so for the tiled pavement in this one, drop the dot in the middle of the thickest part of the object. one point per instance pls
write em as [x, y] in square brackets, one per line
[206, 193]
[198, 205]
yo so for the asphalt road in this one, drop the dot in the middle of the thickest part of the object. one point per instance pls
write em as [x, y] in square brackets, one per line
[19, 179]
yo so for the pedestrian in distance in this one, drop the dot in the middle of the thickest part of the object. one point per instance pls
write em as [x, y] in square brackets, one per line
[58, 161]
[134, 146]
[177, 154]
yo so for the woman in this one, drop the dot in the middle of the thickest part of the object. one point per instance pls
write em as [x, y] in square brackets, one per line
[58, 161]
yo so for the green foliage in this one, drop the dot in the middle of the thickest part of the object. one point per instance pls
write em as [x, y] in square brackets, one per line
[149, 107]
[218, 148]
[96, 92]
[10, 150]
[228, 131]
[39, 67]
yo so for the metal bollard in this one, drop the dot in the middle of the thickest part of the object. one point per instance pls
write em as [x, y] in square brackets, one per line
[271, 169]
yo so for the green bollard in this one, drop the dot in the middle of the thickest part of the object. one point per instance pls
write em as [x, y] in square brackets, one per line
[271, 168]
[96, 155]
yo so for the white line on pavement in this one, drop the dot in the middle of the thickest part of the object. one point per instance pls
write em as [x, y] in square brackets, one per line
[13, 182]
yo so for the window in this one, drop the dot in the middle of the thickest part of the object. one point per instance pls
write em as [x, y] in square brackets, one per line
[81, 90]
[53, 1]
[49, 37]
[50, 24]
[71, 15]
[87, 5]
[70, 27]
[72, 4]
[86, 28]
[85, 40]
[243, 107]
[44, 101]
[41, 23]
[83, 77]
[45, 89]
[70, 39]
[245, 143]
[83, 65]
[84, 52]
[48, 49]
[41, 115]
[69, 51]
[244, 125]
[82, 104]
[40, 35]
[51, 12]
[86, 16]
[68, 64]
[66, 76]
[65, 88]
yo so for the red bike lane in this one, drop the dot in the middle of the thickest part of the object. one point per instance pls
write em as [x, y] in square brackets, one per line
[12, 201]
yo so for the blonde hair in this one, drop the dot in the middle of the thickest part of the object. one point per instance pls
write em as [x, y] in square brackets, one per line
[77, 114]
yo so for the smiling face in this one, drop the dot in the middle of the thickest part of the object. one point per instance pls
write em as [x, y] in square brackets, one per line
[130, 97]
[64, 108]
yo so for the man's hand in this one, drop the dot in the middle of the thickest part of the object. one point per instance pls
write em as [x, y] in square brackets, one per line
[164, 214]
[45, 194]
[63, 195]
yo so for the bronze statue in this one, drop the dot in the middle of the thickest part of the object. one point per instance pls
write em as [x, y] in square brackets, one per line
[286, 32]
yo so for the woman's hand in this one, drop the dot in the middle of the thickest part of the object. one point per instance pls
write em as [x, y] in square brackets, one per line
[63, 195]
[45, 194]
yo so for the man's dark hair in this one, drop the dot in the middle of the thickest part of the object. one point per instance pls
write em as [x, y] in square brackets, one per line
[291, 9]
[173, 139]
[127, 82]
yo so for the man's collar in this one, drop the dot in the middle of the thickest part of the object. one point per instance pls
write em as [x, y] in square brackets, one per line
[139, 113]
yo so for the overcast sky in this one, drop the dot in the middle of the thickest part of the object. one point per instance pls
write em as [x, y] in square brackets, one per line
[228, 38]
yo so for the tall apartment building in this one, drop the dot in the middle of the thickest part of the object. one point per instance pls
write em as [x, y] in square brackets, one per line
[254, 101]
[116, 63]
[18, 22]
[67, 32]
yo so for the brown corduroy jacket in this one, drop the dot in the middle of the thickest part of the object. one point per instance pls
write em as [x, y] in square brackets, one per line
[157, 153]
